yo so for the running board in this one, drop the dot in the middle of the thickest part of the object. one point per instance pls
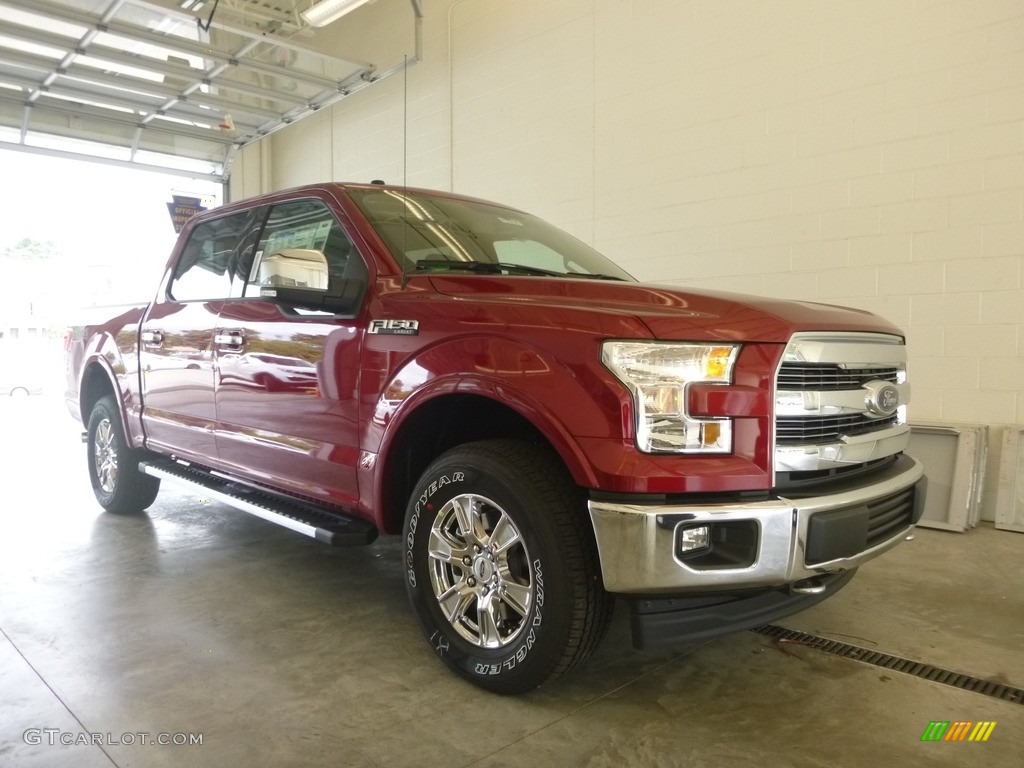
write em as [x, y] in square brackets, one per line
[320, 523]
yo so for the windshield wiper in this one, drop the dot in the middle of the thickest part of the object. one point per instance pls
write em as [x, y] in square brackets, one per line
[485, 267]
[499, 267]
[594, 276]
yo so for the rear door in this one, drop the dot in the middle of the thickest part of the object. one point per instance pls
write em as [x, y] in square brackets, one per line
[287, 378]
[177, 342]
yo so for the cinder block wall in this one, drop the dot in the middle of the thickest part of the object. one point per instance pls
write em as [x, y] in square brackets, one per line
[861, 152]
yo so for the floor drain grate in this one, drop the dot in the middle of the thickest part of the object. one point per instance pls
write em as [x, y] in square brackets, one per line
[896, 663]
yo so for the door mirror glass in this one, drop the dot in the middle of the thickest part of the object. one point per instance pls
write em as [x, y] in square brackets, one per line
[305, 260]
[294, 268]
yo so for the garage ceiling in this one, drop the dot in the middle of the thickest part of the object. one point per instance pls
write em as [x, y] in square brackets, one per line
[151, 84]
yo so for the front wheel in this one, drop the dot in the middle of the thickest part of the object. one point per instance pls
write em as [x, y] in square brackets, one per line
[118, 484]
[501, 566]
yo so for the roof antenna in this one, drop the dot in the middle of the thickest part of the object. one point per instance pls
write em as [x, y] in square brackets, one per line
[405, 164]
[405, 121]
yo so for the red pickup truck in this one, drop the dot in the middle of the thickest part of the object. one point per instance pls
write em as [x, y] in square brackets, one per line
[546, 433]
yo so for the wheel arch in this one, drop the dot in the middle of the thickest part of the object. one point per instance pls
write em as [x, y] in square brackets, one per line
[97, 381]
[451, 418]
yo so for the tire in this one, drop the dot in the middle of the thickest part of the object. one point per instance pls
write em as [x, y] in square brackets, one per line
[113, 466]
[19, 392]
[501, 566]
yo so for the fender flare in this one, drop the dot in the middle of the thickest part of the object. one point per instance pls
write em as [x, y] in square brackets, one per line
[530, 383]
[532, 411]
[94, 360]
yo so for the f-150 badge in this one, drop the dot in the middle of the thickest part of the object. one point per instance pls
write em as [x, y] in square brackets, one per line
[395, 327]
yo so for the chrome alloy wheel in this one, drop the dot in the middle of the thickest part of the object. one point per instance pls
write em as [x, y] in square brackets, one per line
[480, 571]
[105, 456]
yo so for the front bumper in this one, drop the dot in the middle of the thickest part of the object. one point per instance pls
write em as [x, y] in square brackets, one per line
[793, 539]
[661, 621]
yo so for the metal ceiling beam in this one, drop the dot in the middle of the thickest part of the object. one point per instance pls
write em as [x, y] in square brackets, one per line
[183, 108]
[26, 117]
[182, 45]
[26, 60]
[83, 43]
[257, 90]
[210, 76]
[90, 74]
[18, 81]
[157, 92]
[182, 73]
[264, 35]
[81, 71]
[47, 152]
[346, 88]
[125, 120]
[124, 85]
[332, 89]
[100, 97]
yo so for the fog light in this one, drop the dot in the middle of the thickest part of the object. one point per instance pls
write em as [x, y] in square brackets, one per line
[694, 539]
[723, 544]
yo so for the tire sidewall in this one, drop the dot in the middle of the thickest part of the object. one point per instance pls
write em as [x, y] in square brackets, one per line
[100, 412]
[536, 650]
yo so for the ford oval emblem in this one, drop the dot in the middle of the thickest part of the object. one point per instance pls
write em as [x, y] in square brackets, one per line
[882, 399]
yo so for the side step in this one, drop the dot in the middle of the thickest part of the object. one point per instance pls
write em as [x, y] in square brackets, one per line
[321, 523]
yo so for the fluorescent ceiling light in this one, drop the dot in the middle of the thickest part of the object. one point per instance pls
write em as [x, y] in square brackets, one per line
[326, 11]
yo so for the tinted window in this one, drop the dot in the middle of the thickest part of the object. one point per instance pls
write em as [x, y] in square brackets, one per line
[216, 254]
[308, 225]
[418, 227]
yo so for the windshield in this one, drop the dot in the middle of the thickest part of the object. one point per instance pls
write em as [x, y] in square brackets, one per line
[436, 233]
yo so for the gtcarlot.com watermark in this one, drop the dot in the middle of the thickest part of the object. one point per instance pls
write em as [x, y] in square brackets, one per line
[56, 737]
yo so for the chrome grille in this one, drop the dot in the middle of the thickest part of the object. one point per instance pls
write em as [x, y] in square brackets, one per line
[801, 376]
[829, 411]
[790, 429]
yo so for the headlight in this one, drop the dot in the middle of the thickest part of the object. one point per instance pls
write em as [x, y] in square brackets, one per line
[657, 374]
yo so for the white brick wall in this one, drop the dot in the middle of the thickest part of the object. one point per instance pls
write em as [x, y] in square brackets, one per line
[866, 152]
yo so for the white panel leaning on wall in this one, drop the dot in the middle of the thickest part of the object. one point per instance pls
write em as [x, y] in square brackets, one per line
[954, 461]
[1010, 494]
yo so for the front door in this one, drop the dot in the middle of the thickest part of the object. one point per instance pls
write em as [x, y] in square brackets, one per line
[286, 379]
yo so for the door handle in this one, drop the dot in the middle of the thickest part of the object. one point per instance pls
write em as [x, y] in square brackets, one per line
[233, 339]
[156, 338]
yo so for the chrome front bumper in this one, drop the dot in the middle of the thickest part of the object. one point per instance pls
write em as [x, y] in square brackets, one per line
[637, 544]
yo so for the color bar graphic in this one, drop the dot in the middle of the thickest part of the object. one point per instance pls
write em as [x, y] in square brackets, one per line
[958, 730]
[935, 731]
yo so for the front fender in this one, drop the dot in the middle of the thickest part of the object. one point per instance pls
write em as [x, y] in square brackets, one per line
[97, 378]
[564, 396]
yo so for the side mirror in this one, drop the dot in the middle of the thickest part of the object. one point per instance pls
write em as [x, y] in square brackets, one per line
[299, 277]
[294, 268]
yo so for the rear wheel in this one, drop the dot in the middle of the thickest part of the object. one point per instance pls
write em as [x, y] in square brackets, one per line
[118, 484]
[501, 566]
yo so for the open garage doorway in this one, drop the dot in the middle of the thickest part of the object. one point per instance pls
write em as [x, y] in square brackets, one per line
[74, 235]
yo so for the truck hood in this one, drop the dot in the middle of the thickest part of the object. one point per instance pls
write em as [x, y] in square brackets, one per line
[668, 311]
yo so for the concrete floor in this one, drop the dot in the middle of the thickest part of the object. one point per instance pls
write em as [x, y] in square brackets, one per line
[279, 651]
